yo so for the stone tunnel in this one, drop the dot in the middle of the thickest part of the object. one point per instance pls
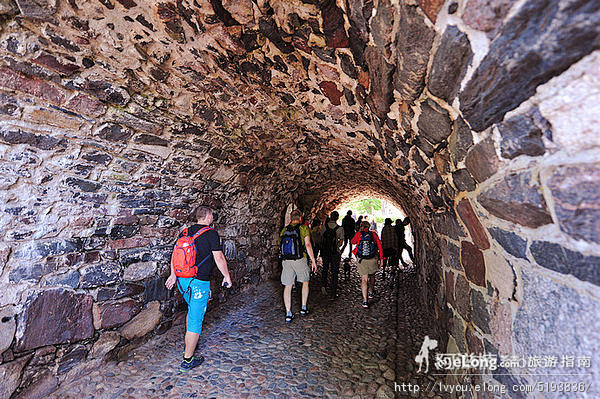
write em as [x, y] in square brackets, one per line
[479, 118]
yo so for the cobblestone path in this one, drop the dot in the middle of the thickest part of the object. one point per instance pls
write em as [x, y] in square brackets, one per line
[339, 350]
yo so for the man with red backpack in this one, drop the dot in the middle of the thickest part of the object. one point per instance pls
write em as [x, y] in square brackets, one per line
[197, 251]
[369, 254]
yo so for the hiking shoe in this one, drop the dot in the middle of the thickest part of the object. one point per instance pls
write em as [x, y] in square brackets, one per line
[289, 318]
[365, 305]
[371, 295]
[194, 362]
[304, 312]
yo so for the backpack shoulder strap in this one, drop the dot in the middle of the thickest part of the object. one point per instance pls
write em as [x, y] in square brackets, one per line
[201, 231]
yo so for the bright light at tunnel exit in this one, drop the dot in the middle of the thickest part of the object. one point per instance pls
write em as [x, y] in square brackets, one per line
[375, 209]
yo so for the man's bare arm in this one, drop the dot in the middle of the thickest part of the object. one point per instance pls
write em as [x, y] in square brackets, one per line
[222, 265]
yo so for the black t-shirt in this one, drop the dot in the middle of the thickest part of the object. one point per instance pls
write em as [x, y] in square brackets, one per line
[349, 225]
[205, 244]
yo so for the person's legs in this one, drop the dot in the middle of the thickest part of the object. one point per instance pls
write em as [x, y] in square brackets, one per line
[305, 289]
[335, 271]
[191, 340]
[371, 283]
[400, 252]
[326, 264]
[363, 286]
[303, 276]
[288, 278]
[196, 294]
[346, 240]
[287, 298]
[410, 252]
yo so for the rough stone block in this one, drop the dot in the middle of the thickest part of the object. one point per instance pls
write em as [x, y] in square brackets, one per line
[333, 24]
[446, 223]
[434, 122]
[449, 64]
[155, 290]
[555, 316]
[501, 327]
[413, 46]
[463, 181]
[498, 86]
[54, 316]
[114, 314]
[518, 199]
[473, 224]
[41, 249]
[462, 293]
[115, 132]
[486, 15]
[473, 262]
[108, 341]
[139, 271]
[10, 135]
[500, 274]
[86, 105]
[8, 326]
[460, 140]
[41, 387]
[380, 74]
[522, 135]
[68, 279]
[331, 91]
[10, 375]
[479, 311]
[35, 87]
[571, 103]
[431, 8]
[563, 260]
[105, 273]
[576, 192]
[144, 322]
[71, 358]
[512, 243]
[482, 161]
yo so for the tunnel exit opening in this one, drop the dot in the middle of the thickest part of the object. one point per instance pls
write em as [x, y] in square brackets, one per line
[376, 210]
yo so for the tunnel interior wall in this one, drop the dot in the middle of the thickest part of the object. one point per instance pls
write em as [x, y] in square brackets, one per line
[117, 119]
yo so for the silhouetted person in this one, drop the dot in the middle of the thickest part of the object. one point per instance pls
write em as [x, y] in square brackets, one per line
[349, 226]
[389, 243]
[358, 222]
[196, 289]
[369, 254]
[402, 244]
[332, 237]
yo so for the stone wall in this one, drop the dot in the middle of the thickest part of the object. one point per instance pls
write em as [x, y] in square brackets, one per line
[118, 118]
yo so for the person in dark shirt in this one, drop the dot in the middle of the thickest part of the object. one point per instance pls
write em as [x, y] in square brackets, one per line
[402, 244]
[349, 226]
[196, 290]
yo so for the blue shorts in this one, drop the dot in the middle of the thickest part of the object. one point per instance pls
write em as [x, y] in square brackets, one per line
[197, 298]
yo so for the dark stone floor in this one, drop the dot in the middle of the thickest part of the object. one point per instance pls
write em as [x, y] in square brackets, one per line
[339, 350]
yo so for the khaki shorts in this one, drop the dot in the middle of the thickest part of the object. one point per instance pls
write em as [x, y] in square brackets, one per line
[293, 269]
[368, 266]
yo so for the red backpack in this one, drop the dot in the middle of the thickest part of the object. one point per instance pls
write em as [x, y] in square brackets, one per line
[183, 258]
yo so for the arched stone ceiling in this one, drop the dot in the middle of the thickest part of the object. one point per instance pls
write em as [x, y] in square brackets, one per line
[286, 89]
